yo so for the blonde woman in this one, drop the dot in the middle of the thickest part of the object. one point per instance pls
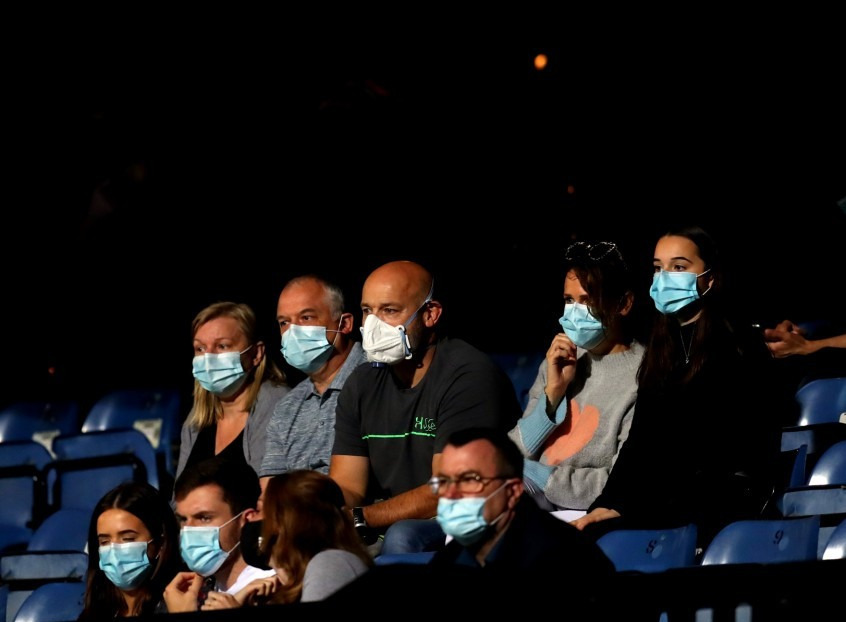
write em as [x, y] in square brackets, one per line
[236, 387]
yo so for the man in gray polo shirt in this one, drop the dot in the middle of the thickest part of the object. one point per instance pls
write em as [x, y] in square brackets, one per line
[316, 340]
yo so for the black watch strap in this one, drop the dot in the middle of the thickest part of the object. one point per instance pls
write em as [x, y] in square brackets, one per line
[368, 535]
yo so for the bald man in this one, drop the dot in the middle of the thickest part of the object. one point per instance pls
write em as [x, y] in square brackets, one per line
[395, 413]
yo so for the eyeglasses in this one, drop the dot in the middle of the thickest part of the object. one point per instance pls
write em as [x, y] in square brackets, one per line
[591, 250]
[467, 484]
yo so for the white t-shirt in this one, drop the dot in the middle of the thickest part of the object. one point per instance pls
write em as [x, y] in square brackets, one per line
[248, 574]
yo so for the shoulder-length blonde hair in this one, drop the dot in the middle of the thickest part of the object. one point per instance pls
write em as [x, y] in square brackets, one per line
[207, 408]
[303, 515]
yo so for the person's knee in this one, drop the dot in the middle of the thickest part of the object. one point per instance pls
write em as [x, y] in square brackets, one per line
[413, 536]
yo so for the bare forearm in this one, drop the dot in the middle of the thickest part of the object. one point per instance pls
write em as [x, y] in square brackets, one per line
[416, 503]
[832, 342]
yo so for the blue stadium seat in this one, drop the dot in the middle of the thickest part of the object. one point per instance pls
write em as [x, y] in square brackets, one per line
[23, 491]
[81, 482]
[404, 558]
[522, 369]
[53, 602]
[15, 453]
[38, 420]
[65, 529]
[23, 573]
[765, 542]
[830, 468]
[23, 495]
[109, 442]
[56, 552]
[822, 401]
[650, 550]
[835, 548]
[822, 417]
[155, 412]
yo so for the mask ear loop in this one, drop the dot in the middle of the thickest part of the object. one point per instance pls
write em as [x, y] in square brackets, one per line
[709, 287]
[405, 344]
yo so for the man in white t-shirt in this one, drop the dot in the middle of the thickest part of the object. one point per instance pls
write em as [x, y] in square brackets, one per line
[214, 500]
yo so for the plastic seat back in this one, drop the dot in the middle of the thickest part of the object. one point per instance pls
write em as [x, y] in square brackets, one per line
[81, 482]
[650, 550]
[765, 542]
[16, 453]
[53, 602]
[835, 548]
[822, 401]
[64, 530]
[154, 412]
[23, 492]
[108, 442]
[830, 468]
[404, 558]
[38, 420]
[23, 573]
[522, 369]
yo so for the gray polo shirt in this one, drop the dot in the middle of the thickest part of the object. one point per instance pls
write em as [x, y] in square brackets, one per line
[302, 428]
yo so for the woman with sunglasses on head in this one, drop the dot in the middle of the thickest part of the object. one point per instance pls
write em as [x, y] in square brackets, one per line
[581, 404]
[704, 445]
[236, 387]
[133, 553]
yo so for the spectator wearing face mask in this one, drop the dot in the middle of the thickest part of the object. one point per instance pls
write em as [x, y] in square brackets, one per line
[704, 443]
[494, 525]
[581, 404]
[394, 414]
[214, 500]
[236, 387]
[133, 545]
[316, 339]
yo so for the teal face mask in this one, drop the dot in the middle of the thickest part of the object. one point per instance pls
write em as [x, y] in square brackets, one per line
[306, 348]
[673, 291]
[581, 327]
[221, 374]
[125, 563]
[200, 548]
[464, 518]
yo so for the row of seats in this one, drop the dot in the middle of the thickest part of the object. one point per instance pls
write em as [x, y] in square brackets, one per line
[34, 483]
[155, 412]
[742, 542]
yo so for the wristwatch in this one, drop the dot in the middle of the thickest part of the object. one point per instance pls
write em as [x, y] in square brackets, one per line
[367, 535]
[358, 519]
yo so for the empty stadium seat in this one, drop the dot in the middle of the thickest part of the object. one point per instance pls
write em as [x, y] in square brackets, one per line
[650, 550]
[53, 602]
[156, 412]
[38, 420]
[764, 542]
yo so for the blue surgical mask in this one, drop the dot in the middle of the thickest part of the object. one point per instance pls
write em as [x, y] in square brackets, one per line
[200, 548]
[306, 348]
[464, 518]
[221, 374]
[673, 291]
[581, 327]
[125, 563]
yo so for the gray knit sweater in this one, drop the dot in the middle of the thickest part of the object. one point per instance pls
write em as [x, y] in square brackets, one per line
[570, 452]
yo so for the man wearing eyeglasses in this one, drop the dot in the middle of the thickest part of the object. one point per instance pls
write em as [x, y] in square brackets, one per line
[493, 525]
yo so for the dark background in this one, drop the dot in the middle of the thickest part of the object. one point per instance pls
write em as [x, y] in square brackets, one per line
[147, 178]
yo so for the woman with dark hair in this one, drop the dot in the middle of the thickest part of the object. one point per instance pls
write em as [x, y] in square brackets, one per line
[133, 553]
[704, 445]
[581, 404]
